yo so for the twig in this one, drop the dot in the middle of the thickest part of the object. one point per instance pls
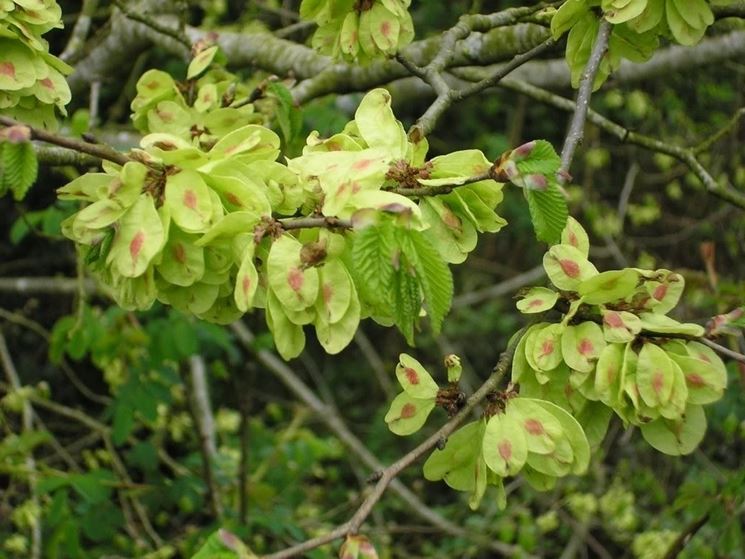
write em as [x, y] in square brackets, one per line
[52, 155]
[154, 25]
[27, 420]
[498, 290]
[628, 187]
[327, 222]
[376, 363]
[44, 285]
[97, 150]
[79, 34]
[205, 422]
[686, 155]
[337, 425]
[685, 536]
[721, 349]
[390, 473]
[586, 85]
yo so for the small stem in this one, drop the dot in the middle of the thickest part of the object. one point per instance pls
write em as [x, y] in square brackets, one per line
[587, 82]
[97, 150]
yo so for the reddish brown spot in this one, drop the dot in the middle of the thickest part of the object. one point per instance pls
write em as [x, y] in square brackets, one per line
[328, 293]
[7, 69]
[333, 146]
[534, 427]
[451, 221]
[505, 450]
[613, 319]
[356, 187]
[295, 279]
[610, 374]
[208, 98]
[342, 188]
[573, 239]
[535, 303]
[233, 199]
[135, 245]
[570, 268]
[152, 85]
[179, 253]
[246, 285]
[547, 348]
[361, 165]
[411, 375]
[385, 28]
[660, 292]
[658, 381]
[409, 410]
[46, 82]
[703, 357]
[585, 346]
[165, 116]
[190, 199]
[696, 380]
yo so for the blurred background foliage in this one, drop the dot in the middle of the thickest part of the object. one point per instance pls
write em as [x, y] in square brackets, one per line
[120, 434]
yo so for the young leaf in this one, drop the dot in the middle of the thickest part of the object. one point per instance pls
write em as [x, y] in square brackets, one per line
[548, 212]
[433, 274]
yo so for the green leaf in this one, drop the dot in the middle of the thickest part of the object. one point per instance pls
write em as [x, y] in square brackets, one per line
[407, 301]
[661, 324]
[619, 11]
[575, 235]
[688, 20]
[435, 278]
[372, 258]
[295, 285]
[677, 438]
[289, 118]
[18, 168]
[548, 212]
[567, 16]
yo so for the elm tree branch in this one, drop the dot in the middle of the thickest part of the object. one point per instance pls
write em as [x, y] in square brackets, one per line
[100, 151]
[683, 154]
[582, 105]
[337, 425]
[447, 96]
[389, 474]
[155, 25]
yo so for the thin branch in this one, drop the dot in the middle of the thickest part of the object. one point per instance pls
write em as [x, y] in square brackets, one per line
[154, 24]
[722, 350]
[79, 34]
[685, 536]
[27, 420]
[337, 425]
[325, 222]
[57, 156]
[586, 86]
[205, 422]
[44, 285]
[505, 287]
[97, 150]
[390, 473]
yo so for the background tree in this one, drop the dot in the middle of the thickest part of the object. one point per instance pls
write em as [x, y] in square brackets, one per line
[318, 176]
